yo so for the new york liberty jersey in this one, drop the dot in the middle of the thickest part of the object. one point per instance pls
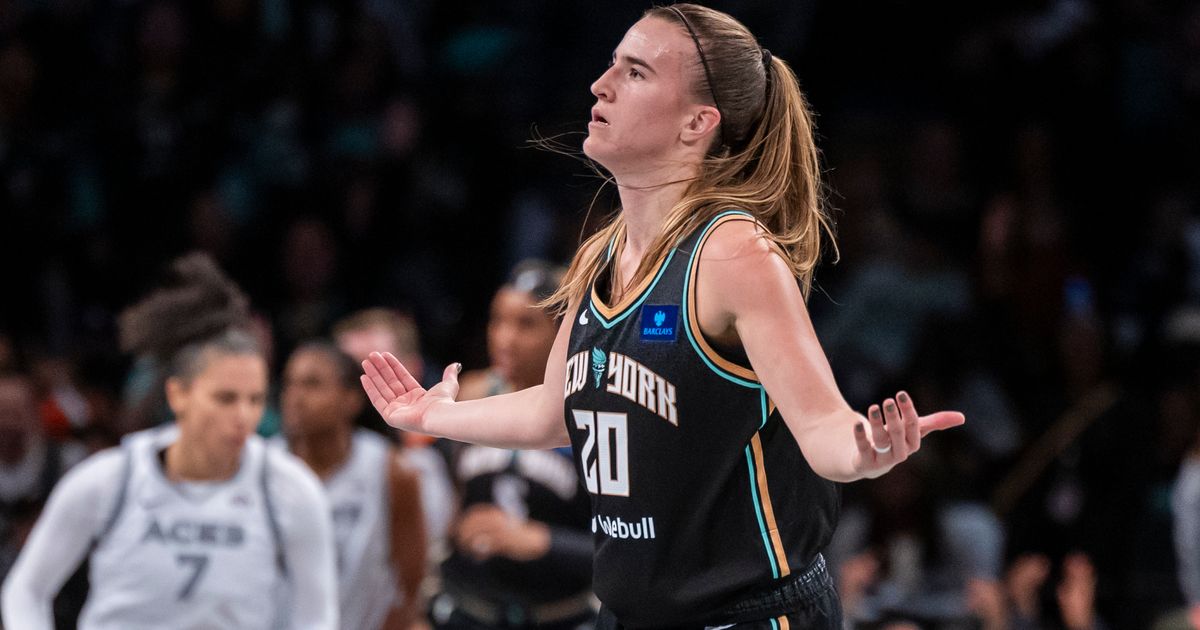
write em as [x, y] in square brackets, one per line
[173, 560]
[700, 494]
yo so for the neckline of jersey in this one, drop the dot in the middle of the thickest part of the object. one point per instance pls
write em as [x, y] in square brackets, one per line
[611, 315]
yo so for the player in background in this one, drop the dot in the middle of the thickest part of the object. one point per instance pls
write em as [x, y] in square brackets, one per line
[375, 499]
[195, 524]
[522, 552]
[386, 330]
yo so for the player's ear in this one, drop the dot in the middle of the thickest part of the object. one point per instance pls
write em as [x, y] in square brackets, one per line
[702, 124]
[178, 395]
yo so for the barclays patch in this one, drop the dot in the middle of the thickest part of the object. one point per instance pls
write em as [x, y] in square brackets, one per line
[660, 322]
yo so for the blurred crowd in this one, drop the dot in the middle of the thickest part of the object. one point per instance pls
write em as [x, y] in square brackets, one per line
[1015, 186]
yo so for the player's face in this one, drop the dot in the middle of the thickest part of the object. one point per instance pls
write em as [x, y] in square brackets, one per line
[362, 342]
[314, 399]
[643, 100]
[519, 337]
[222, 405]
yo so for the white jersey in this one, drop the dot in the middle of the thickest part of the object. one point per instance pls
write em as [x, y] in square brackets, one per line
[359, 497]
[360, 502]
[188, 555]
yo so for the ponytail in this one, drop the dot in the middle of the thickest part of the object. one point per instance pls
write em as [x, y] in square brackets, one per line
[766, 161]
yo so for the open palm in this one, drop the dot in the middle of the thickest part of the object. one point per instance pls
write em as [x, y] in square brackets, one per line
[398, 397]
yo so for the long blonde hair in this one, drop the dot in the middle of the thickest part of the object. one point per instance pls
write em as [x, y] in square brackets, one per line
[764, 161]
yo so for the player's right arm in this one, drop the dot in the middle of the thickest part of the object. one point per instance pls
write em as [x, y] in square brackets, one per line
[528, 419]
[73, 517]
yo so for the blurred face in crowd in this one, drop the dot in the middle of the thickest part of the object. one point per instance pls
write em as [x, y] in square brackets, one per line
[316, 398]
[360, 342]
[643, 101]
[18, 419]
[519, 337]
[218, 408]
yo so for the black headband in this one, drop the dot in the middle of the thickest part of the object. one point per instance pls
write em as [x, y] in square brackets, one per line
[704, 62]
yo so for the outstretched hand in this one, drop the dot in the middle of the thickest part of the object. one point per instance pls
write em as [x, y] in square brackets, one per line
[896, 432]
[398, 397]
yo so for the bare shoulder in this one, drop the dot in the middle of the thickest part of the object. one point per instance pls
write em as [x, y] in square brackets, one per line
[740, 250]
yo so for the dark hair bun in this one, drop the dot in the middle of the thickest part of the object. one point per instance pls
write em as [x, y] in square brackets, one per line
[195, 301]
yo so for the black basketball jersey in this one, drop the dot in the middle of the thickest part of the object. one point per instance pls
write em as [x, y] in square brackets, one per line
[700, 494]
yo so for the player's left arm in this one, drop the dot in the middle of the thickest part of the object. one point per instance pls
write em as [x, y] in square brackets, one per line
[407, 542]
[746, 293]
[307, 540]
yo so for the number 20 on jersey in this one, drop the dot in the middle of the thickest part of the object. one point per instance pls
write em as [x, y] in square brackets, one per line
[608, 437]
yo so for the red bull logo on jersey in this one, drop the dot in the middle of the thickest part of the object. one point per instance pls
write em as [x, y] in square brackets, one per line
[617, 528]
[625, 377]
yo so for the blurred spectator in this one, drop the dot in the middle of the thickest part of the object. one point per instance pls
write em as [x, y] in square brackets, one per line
[905, 554]
[1074, 596]
[884, 304]
[8, 354]
[30, 463]
[309, 265]
[64, 409]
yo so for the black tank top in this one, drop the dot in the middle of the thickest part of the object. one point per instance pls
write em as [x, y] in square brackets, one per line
[700, 494]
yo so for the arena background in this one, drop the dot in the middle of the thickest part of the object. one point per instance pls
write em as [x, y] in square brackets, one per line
[1015, 187]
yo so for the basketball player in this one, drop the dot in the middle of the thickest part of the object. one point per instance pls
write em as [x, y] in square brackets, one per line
[522, 553]
[376, 502]
[379, 330]
[703, 413]
[195, 524]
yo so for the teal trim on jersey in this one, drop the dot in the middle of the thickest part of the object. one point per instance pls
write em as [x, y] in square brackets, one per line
[762, 526]
[765, 412]
[687, 327]
[632, 307]
[774, 624]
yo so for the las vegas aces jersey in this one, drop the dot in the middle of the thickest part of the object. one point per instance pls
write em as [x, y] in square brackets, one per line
[700, 494]
[361, 503]
[170, 560]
